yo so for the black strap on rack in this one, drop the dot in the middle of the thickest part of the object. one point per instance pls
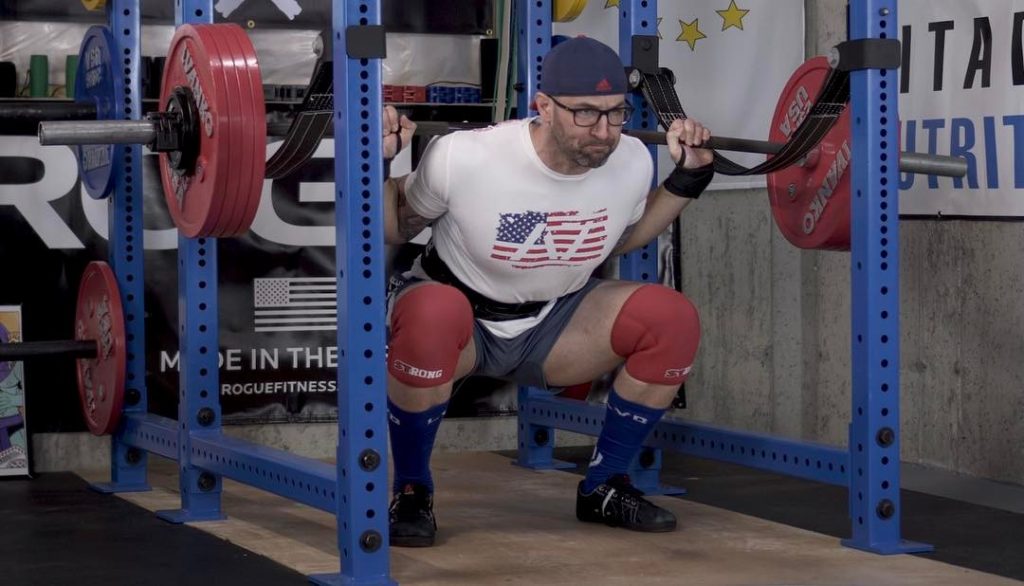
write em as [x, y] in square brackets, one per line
[660, 92]
[311, 123]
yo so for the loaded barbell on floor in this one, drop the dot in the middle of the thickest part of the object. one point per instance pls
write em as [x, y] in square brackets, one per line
[99, 349]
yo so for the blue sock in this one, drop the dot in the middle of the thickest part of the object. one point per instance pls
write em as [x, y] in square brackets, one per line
[626, 426]
[412, 440]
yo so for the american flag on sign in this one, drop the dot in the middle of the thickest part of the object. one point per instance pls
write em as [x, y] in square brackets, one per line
[531, 240]
[295, 305]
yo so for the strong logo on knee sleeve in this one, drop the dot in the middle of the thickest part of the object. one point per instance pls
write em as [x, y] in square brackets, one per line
[417, 372]
[678, 372]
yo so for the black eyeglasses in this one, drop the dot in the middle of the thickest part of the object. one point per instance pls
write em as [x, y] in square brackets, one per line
[587, 117]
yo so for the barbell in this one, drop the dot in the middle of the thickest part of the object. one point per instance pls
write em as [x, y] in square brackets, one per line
[910, 162]
[155, 132]
[98, 348]
[211, 153]
[211, 132]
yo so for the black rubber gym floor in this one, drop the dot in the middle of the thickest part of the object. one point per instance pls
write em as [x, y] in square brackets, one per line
[56, 532]
[966, 535]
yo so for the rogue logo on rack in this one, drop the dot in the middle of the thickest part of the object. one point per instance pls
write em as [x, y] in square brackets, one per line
[52, 202]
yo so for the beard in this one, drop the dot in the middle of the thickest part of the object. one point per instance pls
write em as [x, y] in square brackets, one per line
[588, 153]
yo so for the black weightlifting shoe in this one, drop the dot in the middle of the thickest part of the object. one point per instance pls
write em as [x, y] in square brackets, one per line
[619, 504]
[411, 517]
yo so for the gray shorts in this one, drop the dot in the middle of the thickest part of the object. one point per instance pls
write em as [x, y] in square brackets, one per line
[519, 359]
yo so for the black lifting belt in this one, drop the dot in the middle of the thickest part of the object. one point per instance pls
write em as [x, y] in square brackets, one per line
[660, 92]
[484, 307]
[309, 126]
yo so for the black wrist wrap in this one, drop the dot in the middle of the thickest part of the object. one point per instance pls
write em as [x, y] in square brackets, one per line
[689, 182]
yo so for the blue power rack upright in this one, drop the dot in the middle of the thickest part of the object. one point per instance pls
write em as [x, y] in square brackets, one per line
[355, 491]
[128, 465]
[362, 381]
[874, 444]
[198, 346]
[869, 465]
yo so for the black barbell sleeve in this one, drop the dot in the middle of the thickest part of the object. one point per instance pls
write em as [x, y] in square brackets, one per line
[65, 348]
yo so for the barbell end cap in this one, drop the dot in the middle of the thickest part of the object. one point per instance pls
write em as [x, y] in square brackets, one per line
[318, 46]
[633, 77]
[44, 139]
[833, 57]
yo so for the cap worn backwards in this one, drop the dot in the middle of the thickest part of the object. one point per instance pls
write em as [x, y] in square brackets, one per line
[582, 66]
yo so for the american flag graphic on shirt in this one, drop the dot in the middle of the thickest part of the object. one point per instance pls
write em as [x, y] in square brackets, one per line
[531, 240]
[295, 305]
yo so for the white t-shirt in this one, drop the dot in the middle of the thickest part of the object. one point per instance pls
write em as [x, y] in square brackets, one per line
[513, 229]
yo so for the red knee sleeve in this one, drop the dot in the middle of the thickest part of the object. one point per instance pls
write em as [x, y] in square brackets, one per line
[657, 331]
[430, 326]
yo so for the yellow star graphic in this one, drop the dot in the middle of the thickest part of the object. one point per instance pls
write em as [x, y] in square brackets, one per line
[611, 3]
[732, 16]
[691, 33]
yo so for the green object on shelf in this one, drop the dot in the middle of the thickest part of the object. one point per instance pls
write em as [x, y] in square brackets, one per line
[39, 76]
[70, 68]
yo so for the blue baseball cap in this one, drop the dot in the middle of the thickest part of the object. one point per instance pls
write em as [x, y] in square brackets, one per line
[582, 66]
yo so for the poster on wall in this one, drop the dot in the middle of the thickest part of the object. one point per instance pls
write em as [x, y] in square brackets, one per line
[14, 458]
[962, 93]
[725, 76]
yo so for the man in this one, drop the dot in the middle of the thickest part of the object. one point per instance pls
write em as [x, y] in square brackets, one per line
[522, 214]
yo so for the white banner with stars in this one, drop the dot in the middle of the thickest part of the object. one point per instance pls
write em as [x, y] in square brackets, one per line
[731, 58]
[962, 94]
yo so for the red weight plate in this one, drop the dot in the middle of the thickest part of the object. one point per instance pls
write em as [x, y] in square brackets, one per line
[256, 167]
[193, 198]
[234, 121]
[811, 199]
[252, 153]
[100, 317]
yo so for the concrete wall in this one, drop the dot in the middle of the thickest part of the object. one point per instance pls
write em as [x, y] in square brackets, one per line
[775, 356]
